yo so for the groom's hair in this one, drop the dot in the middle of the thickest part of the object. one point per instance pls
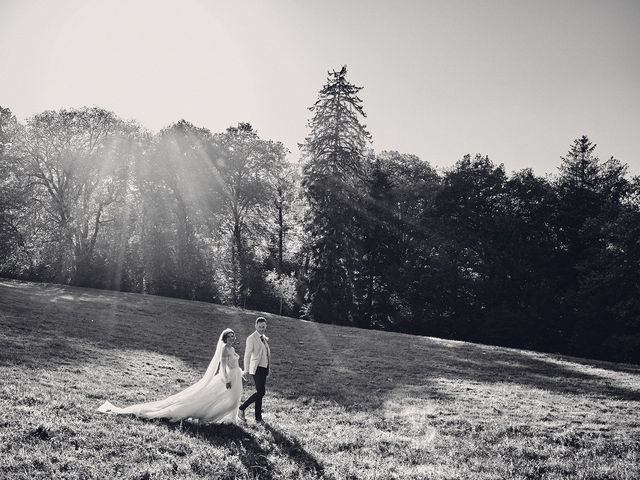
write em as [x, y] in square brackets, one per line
[261, 320]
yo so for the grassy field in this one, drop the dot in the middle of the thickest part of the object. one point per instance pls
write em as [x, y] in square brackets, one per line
[341, 403]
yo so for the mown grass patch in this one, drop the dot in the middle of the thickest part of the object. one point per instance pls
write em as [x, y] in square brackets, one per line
[341, 402]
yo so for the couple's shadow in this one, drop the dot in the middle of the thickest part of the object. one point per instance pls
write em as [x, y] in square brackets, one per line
[295, 451]
[253, 456]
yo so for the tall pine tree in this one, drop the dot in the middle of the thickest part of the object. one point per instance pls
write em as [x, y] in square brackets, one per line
[593, 201]
[333, 175]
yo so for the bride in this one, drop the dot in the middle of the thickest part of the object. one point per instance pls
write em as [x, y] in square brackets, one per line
[214, 398]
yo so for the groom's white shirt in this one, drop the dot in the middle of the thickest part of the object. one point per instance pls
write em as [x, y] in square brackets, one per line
[256, 353]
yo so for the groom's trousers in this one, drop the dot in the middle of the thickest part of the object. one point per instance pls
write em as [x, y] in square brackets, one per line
[260, 379]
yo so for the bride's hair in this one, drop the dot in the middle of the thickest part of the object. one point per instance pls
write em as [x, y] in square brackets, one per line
[226, 334]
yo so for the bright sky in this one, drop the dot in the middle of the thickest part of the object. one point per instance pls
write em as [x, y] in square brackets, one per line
[515, 80]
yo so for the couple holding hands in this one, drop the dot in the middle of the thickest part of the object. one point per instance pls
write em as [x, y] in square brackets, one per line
[215, 398]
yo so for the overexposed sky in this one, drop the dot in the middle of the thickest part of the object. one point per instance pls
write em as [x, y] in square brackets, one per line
[515, 80]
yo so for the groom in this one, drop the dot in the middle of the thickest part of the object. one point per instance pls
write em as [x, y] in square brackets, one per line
[257, 358]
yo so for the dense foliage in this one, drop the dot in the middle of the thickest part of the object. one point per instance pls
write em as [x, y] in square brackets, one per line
[348, 236]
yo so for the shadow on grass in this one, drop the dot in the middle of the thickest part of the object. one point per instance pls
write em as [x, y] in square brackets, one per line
[369, 365]
[42, 351]
[251, 454]
[556, 373]
[54, 317]
[247, 447]
[295, 451]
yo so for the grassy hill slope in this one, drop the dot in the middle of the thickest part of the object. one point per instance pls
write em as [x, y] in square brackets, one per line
[341, 402]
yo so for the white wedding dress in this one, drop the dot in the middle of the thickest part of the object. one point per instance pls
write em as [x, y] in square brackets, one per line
[208, 400]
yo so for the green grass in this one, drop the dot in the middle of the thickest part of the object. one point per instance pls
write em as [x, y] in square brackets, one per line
[341, 402]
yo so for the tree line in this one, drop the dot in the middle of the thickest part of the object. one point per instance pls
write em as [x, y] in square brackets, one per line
[345, 235]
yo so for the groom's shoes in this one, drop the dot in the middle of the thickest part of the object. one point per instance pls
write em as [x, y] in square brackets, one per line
[241, 416]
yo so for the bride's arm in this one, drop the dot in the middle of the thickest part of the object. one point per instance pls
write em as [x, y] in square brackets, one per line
[224, 366]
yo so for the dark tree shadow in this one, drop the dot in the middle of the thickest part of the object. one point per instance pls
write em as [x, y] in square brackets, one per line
[57, 318]
[293, 448]
[358, 368]
[554, 372]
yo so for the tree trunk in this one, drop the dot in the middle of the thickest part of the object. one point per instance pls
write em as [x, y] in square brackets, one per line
[238, 266]
[280, 241]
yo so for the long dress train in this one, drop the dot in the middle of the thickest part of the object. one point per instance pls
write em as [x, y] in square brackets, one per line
[208, 400]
